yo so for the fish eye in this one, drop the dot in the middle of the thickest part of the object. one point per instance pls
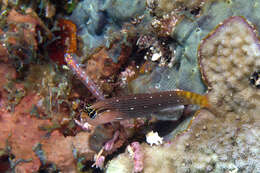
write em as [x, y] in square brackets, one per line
[92, 113]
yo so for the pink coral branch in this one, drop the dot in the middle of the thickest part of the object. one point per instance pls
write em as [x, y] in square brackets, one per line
[87, 81]
[99, 159]
[109, 144]
[138, 157]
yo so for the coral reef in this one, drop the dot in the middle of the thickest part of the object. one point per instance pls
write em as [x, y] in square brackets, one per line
[23, 130]
[228, 138]
[104, 65]
[156, 49]
[138, 157]
[188, 32]
[229, 146]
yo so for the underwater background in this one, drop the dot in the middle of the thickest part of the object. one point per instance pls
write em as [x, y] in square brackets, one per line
[130, 86]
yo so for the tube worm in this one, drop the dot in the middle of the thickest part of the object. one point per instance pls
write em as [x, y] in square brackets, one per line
[143, 105]
[71, 61]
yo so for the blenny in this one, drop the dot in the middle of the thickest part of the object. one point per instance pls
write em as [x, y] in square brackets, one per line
[142, 105]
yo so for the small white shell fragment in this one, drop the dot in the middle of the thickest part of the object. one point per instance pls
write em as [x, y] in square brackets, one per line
[84, 125]
[153, 138]
[130, 151]
[156, 56]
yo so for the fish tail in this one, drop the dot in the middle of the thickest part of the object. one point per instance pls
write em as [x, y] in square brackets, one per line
[194, 98]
